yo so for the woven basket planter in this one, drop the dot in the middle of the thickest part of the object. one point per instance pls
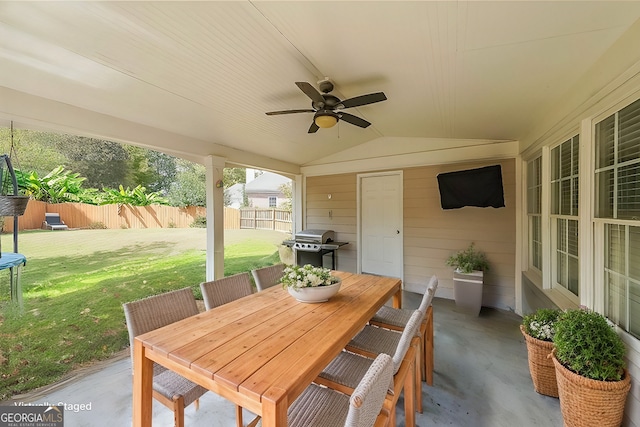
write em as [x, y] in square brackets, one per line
[13, 205]
[541, 367]
[585, 402]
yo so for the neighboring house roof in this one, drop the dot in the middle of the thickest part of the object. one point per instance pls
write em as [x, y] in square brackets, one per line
[268, 182]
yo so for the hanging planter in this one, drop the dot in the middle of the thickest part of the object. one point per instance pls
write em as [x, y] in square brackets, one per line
[10, 204]
[13, 205]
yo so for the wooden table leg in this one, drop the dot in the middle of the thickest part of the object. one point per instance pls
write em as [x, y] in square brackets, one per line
[397, 299]
[142, 386]
[274, 408]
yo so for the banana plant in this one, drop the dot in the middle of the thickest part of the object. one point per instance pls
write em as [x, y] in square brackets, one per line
[135, 197]
[57, 186]
[60, 186]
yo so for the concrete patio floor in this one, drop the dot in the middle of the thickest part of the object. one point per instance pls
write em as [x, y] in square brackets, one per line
[481, 378]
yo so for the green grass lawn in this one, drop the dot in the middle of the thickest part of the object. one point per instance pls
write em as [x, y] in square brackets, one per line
[75, 282]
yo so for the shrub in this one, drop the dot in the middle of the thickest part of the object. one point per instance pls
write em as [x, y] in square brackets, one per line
[586, 344]
[98, 225]
[199, 222]
[541, 324]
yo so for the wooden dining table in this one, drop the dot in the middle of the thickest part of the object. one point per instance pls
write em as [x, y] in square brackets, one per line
[260, 351]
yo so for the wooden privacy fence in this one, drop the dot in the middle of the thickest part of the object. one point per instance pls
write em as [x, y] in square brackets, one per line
[80, 215]
[265, 219]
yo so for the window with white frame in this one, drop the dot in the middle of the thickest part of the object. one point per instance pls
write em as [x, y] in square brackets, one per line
[564, 215]
[273, 200]
[534, 211]
[617, 207]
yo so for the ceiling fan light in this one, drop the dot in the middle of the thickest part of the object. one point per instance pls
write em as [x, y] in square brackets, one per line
[326, 121]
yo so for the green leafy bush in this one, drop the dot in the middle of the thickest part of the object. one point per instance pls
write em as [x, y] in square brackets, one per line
[199, 222]
[586, 344]
[541, 323]
[135, 197]
[469, 260]
[58, 186]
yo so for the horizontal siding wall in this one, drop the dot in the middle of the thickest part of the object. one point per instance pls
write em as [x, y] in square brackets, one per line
[337, 213]
[431, 234]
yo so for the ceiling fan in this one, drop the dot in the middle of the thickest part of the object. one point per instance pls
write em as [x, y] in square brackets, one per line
[328, 109]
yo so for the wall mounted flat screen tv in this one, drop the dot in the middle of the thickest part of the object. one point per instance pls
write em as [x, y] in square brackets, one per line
[480, 187]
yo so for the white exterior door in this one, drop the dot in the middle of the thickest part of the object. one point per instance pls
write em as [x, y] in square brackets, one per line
[381, 224]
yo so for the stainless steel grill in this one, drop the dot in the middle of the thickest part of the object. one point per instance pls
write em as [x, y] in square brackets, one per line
[312, 245]
[313, 240]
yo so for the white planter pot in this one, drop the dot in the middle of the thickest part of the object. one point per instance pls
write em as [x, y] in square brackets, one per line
[467, 291]
[286, 255]
[315, 294]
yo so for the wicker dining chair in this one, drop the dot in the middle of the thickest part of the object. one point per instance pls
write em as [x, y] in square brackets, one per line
[267, 277]
[319, 406]
[221, 291]
[172, 390]
[345, 371]
[397, 318]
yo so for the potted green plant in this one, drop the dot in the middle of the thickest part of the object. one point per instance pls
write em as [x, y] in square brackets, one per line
[538, 329]
[468, 277]
[593, 382]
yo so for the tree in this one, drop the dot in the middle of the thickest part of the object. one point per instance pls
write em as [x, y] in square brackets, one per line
[107, 165]
[151, 169]
[188, 189]
[165, 170]
[233, 176]
[34, 151]
[103, 163]
[287, 191]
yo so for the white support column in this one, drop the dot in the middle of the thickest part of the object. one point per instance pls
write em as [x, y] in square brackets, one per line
[298, 204]
[590, 296]
[546, 219]
[521, 191]
[215, 217]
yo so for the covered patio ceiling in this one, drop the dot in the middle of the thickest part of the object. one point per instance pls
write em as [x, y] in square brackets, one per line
[194, 79]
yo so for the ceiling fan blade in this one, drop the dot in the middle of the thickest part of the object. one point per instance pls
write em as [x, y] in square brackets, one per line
[274, 113]
[313, 128]
[310, 91]
[364, 100]
[354, 120]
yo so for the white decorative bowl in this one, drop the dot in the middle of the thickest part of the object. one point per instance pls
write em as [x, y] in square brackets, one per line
[315, 294]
